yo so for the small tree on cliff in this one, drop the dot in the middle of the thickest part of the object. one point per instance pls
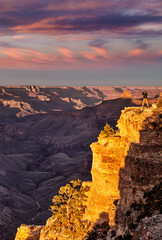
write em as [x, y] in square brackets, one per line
[68, 209]
[108, 131]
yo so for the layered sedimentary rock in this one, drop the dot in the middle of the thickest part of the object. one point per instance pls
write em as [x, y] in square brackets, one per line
[125, 166]
[108, 157]
[18, 102]
[41, 153]
[142, 173]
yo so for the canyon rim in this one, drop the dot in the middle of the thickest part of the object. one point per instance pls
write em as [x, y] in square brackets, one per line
[46, 135]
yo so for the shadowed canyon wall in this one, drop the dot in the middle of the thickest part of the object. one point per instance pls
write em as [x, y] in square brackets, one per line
[40, 153]
[125, 166]
[141, 175]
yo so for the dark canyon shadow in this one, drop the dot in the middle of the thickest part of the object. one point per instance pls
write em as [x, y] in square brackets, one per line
[140, 180]
[100, 228]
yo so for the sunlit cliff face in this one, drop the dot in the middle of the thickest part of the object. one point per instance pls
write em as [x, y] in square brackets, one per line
[113, 157]
[109, 155]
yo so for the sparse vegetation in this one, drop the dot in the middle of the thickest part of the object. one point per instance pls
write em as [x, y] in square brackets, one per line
[68, 209]
[108, 131]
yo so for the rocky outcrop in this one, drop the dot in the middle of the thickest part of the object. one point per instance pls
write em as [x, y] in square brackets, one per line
[30, 100]
[108, 157]
[28, 232]
[25, 108]
[142, 170]
[149, 228]
[126, 169]
[126, 94]
[125, 166]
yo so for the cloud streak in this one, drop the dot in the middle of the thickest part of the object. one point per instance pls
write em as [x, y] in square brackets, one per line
[71, 16]
[20, 58]
[70, 34]
[65, 25]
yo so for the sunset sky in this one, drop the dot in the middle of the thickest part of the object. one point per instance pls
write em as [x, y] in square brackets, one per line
[80, 42]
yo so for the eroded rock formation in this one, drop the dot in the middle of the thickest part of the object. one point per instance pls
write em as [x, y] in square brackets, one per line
[109, 154]
[125, 166]
[108, 157]
[28, 232]
[18, 102]
[149, 228]
[142, 172]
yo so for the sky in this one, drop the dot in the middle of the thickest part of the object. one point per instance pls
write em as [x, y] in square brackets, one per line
[81, 42]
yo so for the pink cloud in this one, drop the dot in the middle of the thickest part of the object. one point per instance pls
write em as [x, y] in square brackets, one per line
[97, 57]
[135, 52]
[21, 53]
[18, 37]
[33, 59]
[159, 52]
[66, 52]
[27, 56]
[84, 16]
[16, 53]
[101, 52]
[89, 55]
[96, 54]
[39, 26]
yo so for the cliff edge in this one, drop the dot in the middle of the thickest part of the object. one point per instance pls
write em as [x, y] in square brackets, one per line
[126, 166]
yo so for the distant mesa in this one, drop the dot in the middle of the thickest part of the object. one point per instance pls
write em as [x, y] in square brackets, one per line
[127, 94]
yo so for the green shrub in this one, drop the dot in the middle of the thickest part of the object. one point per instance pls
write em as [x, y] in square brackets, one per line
[68, 209]
[108, 131]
